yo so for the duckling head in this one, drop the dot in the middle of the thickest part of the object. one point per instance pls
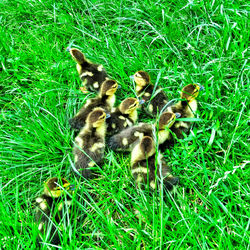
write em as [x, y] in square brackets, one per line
[55, 187]
[108, 87]
[166, 120]
[141, 78]
[96, 118]
[147, 146]
[77, 55]
[129, 105]
[190, 92]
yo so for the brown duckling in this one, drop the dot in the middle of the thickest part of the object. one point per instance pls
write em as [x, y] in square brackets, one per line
[123, 116]
[105, 100]
[92, 75]
[145, 169]
[126, 139]
[155, 98]
[51, 208]
[187, 107]
[90, 143]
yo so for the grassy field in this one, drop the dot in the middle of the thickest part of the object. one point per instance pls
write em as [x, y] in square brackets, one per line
[177, 42]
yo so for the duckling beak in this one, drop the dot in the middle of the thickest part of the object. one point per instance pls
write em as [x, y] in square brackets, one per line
[108, 116]
[119, 86]
[141, 101]
[177, 115]
[68, 49]
[201, 87]
[72, 187]
[132, 77]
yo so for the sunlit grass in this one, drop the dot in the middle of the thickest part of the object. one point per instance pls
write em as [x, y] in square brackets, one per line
[178, 42]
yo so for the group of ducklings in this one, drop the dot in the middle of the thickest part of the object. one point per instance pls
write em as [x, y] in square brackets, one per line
[98, 119]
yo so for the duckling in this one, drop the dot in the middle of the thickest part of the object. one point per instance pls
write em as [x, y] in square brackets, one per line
[90, 143]
[51, 208]
[125, 140]
[123, 116]
[144, 167]
[187, 107]
[92, 75]
[105, 100]
[156, 99]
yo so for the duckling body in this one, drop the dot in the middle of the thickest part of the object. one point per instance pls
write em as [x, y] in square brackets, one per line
[105, 100]
[144, 167]
[90, 143]
[92, 75]
[123, 116]
[52, 208]
[126, 139]
[145, 89]
[187, 108]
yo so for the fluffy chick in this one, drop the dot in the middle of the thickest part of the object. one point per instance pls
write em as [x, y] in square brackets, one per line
[155, 99]
[126, 139]
[146, 169]
[105, 100]
[123, 116]
[91, 74]
[187, 107]
[51, 208]
[90, 143]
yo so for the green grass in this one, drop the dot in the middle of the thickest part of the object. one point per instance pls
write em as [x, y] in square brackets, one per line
[179, 42]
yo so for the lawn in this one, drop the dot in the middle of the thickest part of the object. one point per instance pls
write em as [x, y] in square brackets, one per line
[177, 42]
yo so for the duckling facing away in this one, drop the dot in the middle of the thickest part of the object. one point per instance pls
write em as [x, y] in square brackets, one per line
[145, 169]
[123, 116]
[90, 143]
[187, 108]
[126, 139]
[52, 208]
[92, 75]
[155, 100]
[105, 100]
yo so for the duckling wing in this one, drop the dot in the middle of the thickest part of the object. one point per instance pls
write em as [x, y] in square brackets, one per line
[125, 140]
[94, 81]
[78, 121]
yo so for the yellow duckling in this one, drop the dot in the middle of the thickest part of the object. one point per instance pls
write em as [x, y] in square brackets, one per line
[125, 140]
[105, 100]
[144, 167]
[155, 99]
[187, 107]
[90, 143]
[92, 75]
[123, 116]
[51, 208]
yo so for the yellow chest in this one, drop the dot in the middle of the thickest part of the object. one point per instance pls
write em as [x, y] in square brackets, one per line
[101, 131]
[111, 101]
[79, 68]
[133, 116]
[192, 108]
[163, 136]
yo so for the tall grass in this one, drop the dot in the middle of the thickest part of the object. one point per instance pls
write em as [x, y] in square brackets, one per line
[180, 42]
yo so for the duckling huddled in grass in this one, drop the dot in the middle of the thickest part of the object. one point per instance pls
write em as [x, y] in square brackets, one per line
[91, 74]
[125, 115]
[155, 98]
[127, 138]
[105, 99]
[52, 207]
[90, 144]
[187, 108]
[147, 169]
